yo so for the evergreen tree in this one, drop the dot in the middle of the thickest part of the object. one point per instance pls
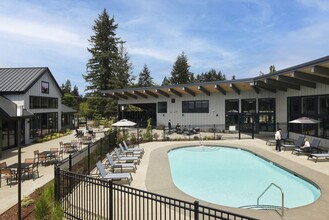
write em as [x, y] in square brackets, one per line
[165, 81]
[272, 69]
[145, 79]
[108, 67]
[66, 88]
[180, 71]
[124, 73]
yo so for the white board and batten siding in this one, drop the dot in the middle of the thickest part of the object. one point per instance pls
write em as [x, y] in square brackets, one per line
[35, 90]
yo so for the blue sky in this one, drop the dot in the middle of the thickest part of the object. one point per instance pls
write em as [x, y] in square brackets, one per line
[238, 37]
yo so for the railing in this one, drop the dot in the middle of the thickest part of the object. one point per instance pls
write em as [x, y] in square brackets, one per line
[85, 197]
[282, 196]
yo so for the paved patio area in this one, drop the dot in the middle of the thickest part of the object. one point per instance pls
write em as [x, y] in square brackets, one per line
[153, 174]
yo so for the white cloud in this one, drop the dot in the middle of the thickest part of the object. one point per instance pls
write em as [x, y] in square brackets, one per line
[51, 33]
[321, 5]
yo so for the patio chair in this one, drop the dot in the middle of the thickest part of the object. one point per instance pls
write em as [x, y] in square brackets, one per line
[8, 174]
[112, 176]
[125, 159]
[314, 145]
[138, 149]
[298, 143]
[318, 155]
[32, 170]
[56, 156]
[130, 153]
[121, 166]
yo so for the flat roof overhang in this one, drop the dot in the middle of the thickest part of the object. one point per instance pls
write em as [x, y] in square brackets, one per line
[307, 74]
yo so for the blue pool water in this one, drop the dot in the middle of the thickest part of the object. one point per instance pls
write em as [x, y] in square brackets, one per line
[234, 177]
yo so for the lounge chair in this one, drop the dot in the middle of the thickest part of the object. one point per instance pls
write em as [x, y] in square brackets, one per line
[138, 149]
[112, 176]
[125, 159]
[130, 153]
[297, 144]
[121, 166]
[317, 156]
[314, 145]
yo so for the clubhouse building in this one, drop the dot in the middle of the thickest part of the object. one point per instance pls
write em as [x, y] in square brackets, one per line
[32, 97]
[264, 102]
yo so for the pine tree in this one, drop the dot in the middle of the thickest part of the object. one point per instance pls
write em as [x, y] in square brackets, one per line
[165, 81]
[102, 67]
[66, 88]
[180, 71]
[108, 67]
[145, 79]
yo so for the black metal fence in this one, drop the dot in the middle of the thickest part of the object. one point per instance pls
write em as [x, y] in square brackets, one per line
[85, 197]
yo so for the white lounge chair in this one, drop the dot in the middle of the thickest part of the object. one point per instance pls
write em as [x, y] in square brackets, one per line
[138, 149]
[130, 153]
[113, 176]
[121, 166]
[125, 159]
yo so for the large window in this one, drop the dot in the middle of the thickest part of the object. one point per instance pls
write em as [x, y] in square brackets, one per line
[248, 105]
[43, 102]
[231, 112]
[266, 114]
[162, 107]
[43, 124]
[201, 106]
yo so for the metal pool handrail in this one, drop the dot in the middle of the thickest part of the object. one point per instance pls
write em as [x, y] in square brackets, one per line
[282, 194]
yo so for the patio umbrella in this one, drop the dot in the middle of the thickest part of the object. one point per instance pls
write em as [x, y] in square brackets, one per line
[124, 123]
[304, 120]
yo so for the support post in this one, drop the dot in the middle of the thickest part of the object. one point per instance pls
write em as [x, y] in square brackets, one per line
[70, 162]
[196, 210]
[19, 170]
[88, 158]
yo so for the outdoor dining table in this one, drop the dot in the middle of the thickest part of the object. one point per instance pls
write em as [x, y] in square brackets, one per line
[49, 155]
[69, 147]
[23, 166]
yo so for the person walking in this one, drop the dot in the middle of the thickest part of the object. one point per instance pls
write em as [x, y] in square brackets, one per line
[278, 140]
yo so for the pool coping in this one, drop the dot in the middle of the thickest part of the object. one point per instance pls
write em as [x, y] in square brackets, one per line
[159, 180]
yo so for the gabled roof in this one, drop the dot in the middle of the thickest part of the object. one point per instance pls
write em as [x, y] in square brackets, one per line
[20, 80]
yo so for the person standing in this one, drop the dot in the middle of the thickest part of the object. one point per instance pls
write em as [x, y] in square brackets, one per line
[169, 126]
[278, 140]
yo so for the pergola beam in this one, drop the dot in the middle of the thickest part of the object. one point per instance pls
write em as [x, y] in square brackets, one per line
[296, 81]
[140, 94]
[189, 91]
[151, 93]
[174, 91]
[323, 71]
[204, 90]
[235, 89]
[111, 96]
[281, 84]
[313, 78]
[262, 85]
[129, 95]
[162, 93]
[119, 95]
[220, 89]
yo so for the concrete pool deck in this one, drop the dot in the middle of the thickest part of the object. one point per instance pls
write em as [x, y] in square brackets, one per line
[154, 175]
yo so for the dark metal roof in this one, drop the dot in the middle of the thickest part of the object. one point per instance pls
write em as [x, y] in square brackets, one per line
[20, 80]
[67, 109]
[308, 74]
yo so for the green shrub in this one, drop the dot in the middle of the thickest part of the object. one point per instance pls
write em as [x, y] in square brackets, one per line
[46, 207]
[133, 138]
[27, 201]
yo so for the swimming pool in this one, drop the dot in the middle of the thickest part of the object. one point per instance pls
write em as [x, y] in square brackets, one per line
[236, 178]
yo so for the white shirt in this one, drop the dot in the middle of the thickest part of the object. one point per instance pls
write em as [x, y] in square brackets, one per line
[278, 135]
[307, 144]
